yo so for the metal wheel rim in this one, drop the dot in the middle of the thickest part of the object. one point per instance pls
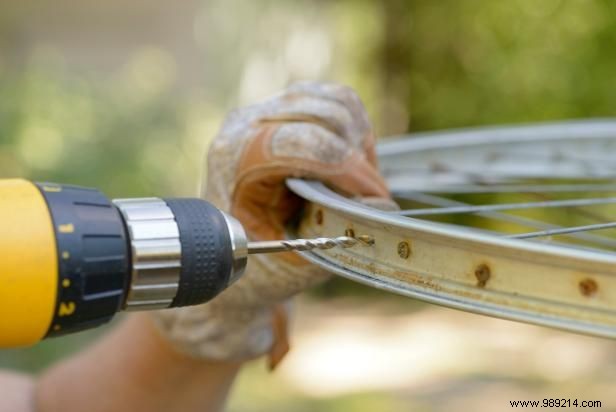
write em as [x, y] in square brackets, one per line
[546, 284]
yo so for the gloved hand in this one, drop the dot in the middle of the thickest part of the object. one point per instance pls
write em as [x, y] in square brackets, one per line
[312, 130]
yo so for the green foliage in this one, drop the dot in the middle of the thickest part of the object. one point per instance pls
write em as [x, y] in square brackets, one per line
[487, 62]
[127, 136]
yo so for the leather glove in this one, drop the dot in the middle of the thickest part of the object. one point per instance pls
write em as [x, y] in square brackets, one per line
[311, 130]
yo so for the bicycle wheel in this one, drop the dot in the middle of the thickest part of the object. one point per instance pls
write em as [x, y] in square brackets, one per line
[513, 222]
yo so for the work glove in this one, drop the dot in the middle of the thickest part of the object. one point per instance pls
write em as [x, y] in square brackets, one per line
[311, 130]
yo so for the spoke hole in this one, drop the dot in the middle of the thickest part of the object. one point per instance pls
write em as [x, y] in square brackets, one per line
[588, 287]
[404, 250]
[482, 273]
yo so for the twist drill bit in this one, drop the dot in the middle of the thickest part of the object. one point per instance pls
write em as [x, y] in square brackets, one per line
[273, 246]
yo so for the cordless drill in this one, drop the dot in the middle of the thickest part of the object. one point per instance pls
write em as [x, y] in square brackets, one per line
[70, 258]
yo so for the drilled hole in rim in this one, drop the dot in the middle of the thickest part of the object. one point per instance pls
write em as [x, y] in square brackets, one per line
[482, 273]
[588, 287]
[404, 250]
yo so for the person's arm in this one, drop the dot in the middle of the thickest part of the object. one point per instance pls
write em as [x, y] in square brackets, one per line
[17, 392]
[131, 369]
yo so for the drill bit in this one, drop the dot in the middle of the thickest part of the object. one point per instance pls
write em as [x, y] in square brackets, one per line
[272, 246]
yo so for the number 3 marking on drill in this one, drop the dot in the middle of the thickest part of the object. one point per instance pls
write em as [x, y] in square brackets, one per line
[66, 308]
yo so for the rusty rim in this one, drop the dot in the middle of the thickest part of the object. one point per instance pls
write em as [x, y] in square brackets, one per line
[525, 263]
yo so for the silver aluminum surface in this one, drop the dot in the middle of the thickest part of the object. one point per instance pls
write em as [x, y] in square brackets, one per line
[239, 245]
[156, 252]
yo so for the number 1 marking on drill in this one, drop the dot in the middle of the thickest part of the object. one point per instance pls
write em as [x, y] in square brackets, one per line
[66, 228]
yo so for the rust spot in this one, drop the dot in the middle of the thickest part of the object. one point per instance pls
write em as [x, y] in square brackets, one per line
[404, 250]
[318, 217]
[349, 232]
[588, 287]
[482, 273]
[372, 268]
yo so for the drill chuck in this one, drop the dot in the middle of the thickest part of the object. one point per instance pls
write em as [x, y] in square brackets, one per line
[183, 251]
[71, 258]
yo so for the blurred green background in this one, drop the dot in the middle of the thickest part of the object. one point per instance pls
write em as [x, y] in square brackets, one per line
[125, 96]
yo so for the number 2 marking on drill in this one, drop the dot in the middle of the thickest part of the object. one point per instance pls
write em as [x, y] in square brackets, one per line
[66, 308]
